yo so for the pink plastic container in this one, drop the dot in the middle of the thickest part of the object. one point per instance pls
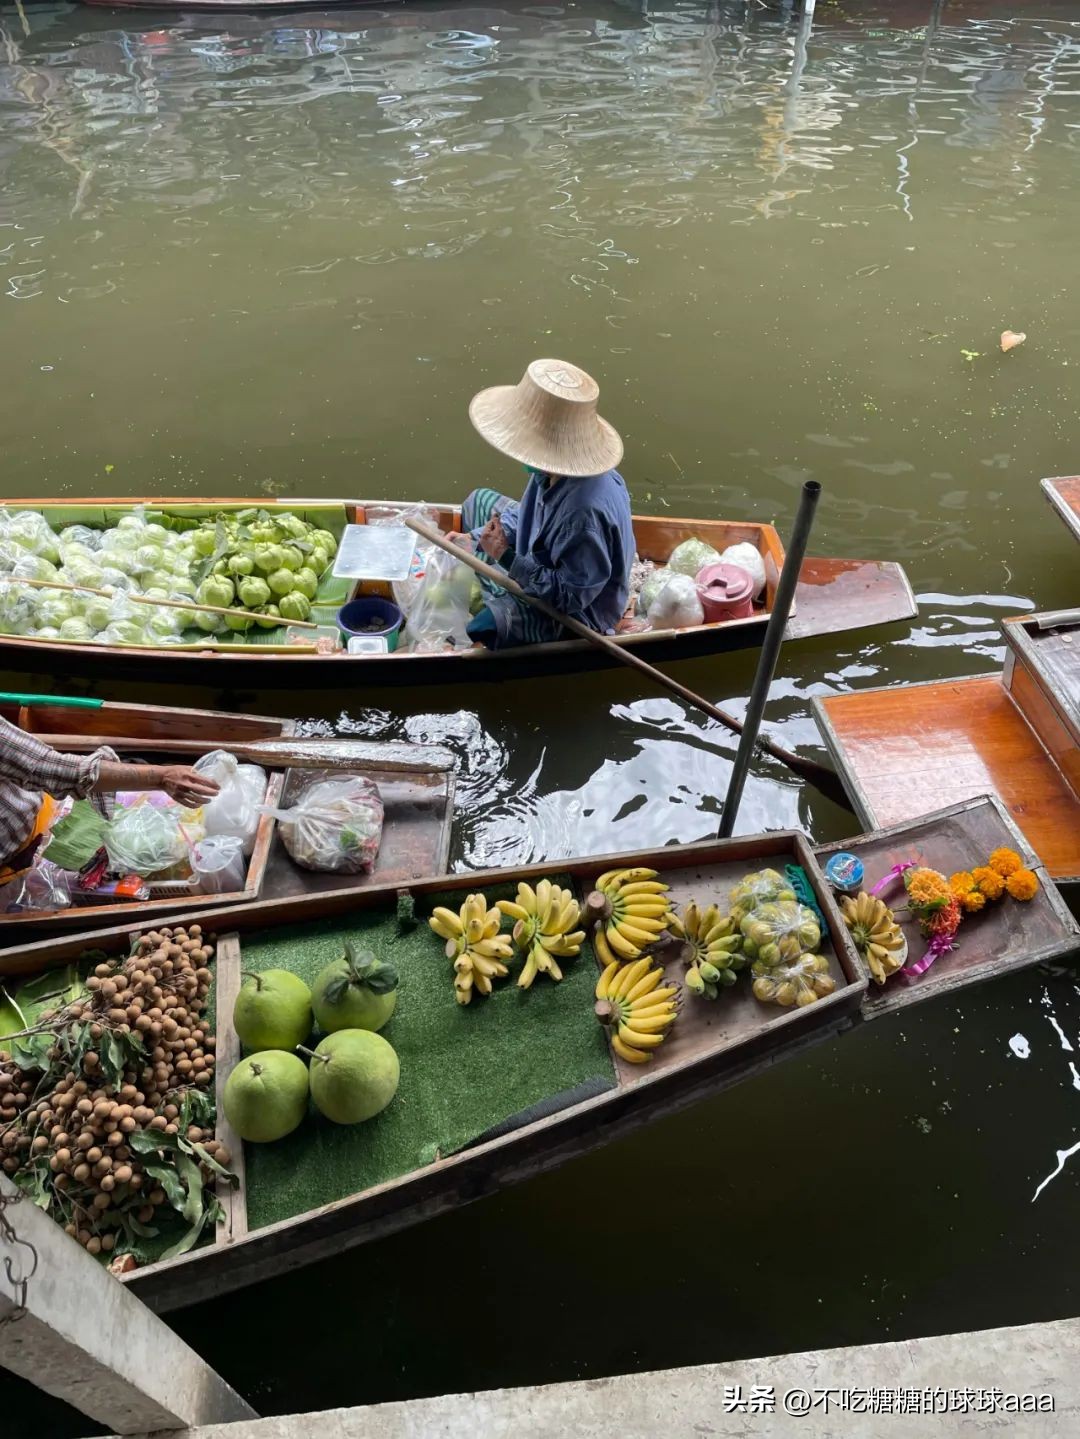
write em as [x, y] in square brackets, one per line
[726, 592]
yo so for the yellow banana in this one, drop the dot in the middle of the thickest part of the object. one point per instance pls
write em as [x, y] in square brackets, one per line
[451, 923]
[622, 946]
[629, 977]
[642, 886]
[631, 876]
[644, 986]
[604, 951]
[603, 984]
[512, 910]
[631, 1056]
[639, 1038]
[652, 1024]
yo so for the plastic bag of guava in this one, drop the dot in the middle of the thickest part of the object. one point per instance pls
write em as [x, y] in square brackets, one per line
[677, 606]
[335, 824]
[759, 887]
[779, 931]
[691, 556]
[438, 606]
[651, 587]
[801, 982]
[30, 531]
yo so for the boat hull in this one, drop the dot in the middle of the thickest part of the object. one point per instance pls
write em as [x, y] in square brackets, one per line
[833, 595]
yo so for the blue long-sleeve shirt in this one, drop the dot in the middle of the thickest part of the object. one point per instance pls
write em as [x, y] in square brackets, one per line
[574, 545]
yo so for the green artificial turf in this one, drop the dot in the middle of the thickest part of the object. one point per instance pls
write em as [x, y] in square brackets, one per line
[464, 1068]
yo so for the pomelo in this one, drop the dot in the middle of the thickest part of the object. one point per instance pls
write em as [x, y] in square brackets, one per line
[272, 1010]
[266, 1095]
[354, 1075]
[356, 991]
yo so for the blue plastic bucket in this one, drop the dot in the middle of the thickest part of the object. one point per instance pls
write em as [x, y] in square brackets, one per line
[355, 617]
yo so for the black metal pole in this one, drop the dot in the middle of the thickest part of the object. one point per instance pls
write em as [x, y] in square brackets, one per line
[770, 653]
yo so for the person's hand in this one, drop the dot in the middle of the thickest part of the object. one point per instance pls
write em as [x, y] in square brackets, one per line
[493, 539]
[462, 538]
[187, 786]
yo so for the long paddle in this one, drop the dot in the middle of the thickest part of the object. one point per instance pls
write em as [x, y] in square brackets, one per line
[819, 775]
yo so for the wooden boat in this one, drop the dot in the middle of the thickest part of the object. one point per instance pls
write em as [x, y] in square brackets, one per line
[711, 1047]
[1016, 733]
[833, 595]
[416, 784]
[1064, 494]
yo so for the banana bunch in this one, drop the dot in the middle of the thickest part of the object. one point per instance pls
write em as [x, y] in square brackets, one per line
[545, 930]
[474, 944]
[635, 1009]
[629, 911]
[876, 934]
[711, 948]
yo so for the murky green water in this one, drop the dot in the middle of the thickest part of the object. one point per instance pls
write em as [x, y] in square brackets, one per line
[270, 255]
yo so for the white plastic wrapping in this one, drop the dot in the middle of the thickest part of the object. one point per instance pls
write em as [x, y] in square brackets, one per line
[234, 810]
[677, 605]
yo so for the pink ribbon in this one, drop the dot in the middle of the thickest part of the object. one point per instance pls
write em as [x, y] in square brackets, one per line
[897, 872]
[939, 945]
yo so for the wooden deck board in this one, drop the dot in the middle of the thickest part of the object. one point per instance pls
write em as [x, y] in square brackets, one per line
[912, 747]
[1064, 494]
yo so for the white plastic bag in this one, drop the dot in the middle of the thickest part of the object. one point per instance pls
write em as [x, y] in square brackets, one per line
[440, 606]
[145, 840]
[748, 558]
[234, 810]
[218, 864]
[691, 556]
[677, 606]
[335, 825]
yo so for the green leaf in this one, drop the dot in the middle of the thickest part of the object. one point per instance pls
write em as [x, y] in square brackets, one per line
[383, 979]
[334, 992]
[31, 1052]
[111, 1055]
[189, 1239]
[142, 1231]
[211, 1163]
[192, 1178]
[12, 1019]
[169, 1180]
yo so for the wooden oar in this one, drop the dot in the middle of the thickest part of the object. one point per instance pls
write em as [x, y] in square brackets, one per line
[819, 775]
[390, 756]
[147, 600]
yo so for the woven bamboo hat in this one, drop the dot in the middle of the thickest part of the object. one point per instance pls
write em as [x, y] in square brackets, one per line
[549, 421]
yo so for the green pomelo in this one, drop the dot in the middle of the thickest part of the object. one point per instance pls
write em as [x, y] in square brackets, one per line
[354, 1075]
[266, 1095]
[272, 1011]
[356, 991]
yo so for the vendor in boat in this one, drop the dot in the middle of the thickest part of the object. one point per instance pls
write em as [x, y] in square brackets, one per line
[569, 540]
[33, 776]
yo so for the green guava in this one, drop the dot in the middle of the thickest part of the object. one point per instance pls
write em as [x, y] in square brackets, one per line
[272, 1010]
[266, 1095]
[356, 991]
[354, 1075]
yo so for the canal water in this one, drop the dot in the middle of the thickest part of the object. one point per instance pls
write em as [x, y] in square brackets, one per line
[276, 254]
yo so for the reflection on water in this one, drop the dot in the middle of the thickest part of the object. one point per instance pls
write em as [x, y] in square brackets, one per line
[245, 254]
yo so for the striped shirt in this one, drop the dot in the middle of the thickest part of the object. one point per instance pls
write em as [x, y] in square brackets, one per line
[30, 769]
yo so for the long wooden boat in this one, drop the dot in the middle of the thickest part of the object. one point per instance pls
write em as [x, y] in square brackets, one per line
[1064, 494]
[711, 1047]
[832, 595]
[1015, 733]
[416, 784]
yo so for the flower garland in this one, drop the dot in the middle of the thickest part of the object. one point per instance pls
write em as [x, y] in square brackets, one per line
[940, 904]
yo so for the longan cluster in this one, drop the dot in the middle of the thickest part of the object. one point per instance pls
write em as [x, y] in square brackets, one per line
[77, 1135]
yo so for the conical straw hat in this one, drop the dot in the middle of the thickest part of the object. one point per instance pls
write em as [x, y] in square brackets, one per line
[549, 421]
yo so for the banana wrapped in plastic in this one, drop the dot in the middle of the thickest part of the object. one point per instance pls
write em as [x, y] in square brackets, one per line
[803, 982]
[779, 931]
[763, 886]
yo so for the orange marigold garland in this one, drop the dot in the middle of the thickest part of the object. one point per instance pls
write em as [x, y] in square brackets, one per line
[989, 881]
[961, 884]
[927, 889]
[1022, 884]
[1005, 862]
[972, 901]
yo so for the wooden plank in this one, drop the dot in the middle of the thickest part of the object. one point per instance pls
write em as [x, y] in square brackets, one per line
[1064, 494]
[945, 741]
[1004, 937]
[227, 982]
[1049, 646]
[391, 757]
[1044, 715]
[145, 722]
